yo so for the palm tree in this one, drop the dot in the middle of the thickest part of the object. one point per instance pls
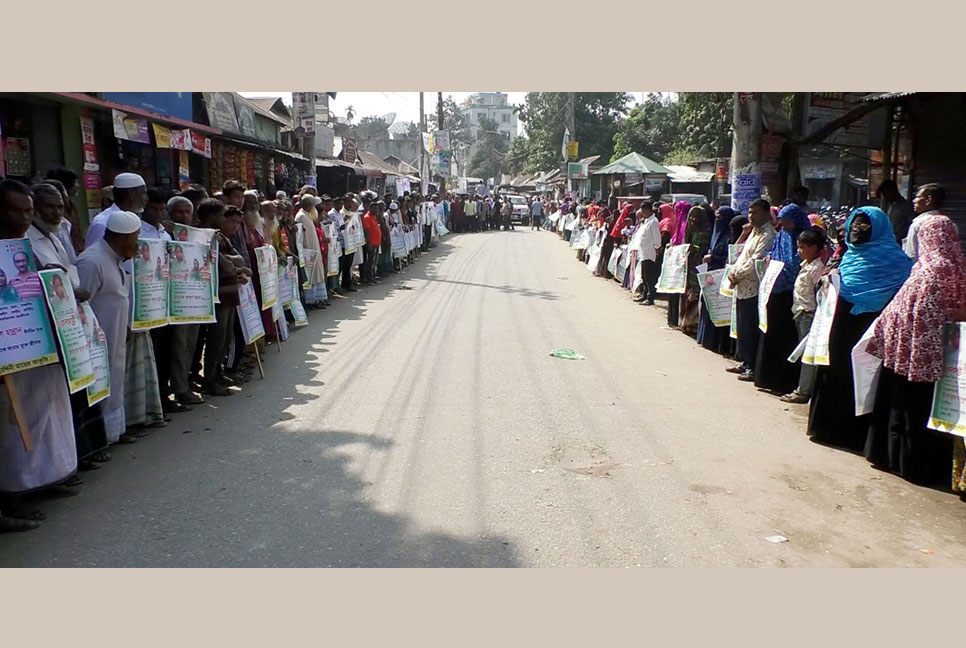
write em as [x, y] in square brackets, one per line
[350, 112]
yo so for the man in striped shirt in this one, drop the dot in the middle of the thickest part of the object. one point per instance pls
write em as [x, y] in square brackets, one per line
[26, 283]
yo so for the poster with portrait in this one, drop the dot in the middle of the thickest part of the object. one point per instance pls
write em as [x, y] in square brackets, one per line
[287, 277]
[26, 340]
[202, 236]
[149, 308]
[717, 305]
[769, 277]
[74, 345]
[817, 343]
[190, 294]
[96, 338]
[298, 310]
[266, 260]
[249, 317]
[674, 269]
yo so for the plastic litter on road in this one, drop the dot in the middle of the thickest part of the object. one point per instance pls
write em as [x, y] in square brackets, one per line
[567, 354]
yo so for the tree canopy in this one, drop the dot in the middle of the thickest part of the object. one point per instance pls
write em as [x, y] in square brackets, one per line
[596, 118]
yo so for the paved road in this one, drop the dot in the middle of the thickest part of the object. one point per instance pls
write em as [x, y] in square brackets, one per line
[422, 423]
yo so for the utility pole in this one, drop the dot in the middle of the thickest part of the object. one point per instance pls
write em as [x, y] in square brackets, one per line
[422, 149]
[439, 127]
[569, 116]
[746, 151]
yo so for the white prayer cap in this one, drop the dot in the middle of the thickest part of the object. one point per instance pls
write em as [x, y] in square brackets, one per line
[123, 222]
[318, 201]
[128, 181]
[279, 195]
[393, 206]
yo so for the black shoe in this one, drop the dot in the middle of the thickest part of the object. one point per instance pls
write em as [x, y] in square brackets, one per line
[352, 289]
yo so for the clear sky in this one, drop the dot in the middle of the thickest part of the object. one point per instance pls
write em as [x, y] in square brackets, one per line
[404, 104]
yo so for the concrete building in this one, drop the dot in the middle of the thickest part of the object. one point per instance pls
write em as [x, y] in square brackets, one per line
[494, 106]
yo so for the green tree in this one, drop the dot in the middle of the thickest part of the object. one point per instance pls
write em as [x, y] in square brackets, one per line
[517, 155]
[652, 128]
[489, 159]
[681, 156]
[596, 117]
[706, 122]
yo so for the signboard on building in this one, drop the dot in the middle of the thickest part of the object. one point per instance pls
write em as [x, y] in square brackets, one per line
[824, 107]
[173, 104]
[576, 171]
[221, 111]
[303, 107]
[633, 178]
[572, 149]
[653, 185]
[245, 113]
[349, 150]
[721, 169]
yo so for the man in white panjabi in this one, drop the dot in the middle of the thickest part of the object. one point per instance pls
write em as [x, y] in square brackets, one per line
[103, 277]
[44, 399]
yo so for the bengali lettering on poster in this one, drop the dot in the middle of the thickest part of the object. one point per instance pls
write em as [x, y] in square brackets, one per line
[26, 340]
[149, 308]
[249, 317]
[948, 412]
[285, 295]
[674, 269]
[768, 279]
[202, 236]
[101, 387]
[70, 331]
[190, 295]
[295, 306]
[733, 330]
[718, 305]
[267, 262]
[817, 343]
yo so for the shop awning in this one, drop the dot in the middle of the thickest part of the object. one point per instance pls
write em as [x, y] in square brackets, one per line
[632, 163]
[866, 105]
[266, 147]
[684, 173]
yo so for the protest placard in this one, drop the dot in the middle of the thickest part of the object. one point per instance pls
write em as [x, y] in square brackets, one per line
[101, 387]
[190, 294]
[26, 339]
[674, 270]
[149, 308]
[70, 332]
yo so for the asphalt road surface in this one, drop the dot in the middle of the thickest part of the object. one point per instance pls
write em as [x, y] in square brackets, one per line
[423, 423]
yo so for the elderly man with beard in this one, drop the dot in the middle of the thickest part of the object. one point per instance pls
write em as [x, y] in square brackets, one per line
[44, 402]
[175, 349]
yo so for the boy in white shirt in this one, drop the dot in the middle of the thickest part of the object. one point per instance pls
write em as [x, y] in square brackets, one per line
[810, 244]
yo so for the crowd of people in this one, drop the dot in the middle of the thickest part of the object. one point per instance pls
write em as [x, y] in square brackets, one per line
[337, 243]
[901, 276]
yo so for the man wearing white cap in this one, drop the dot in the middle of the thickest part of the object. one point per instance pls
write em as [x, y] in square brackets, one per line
[130, 195]
[102, 275]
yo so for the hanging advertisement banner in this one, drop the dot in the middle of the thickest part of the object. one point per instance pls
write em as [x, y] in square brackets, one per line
[130, 127]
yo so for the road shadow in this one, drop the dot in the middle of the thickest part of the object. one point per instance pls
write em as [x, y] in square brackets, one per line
[228, 485]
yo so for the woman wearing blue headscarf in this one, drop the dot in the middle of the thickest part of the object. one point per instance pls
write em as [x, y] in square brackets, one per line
[710, 337]
[772, 369]
[872, 270]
